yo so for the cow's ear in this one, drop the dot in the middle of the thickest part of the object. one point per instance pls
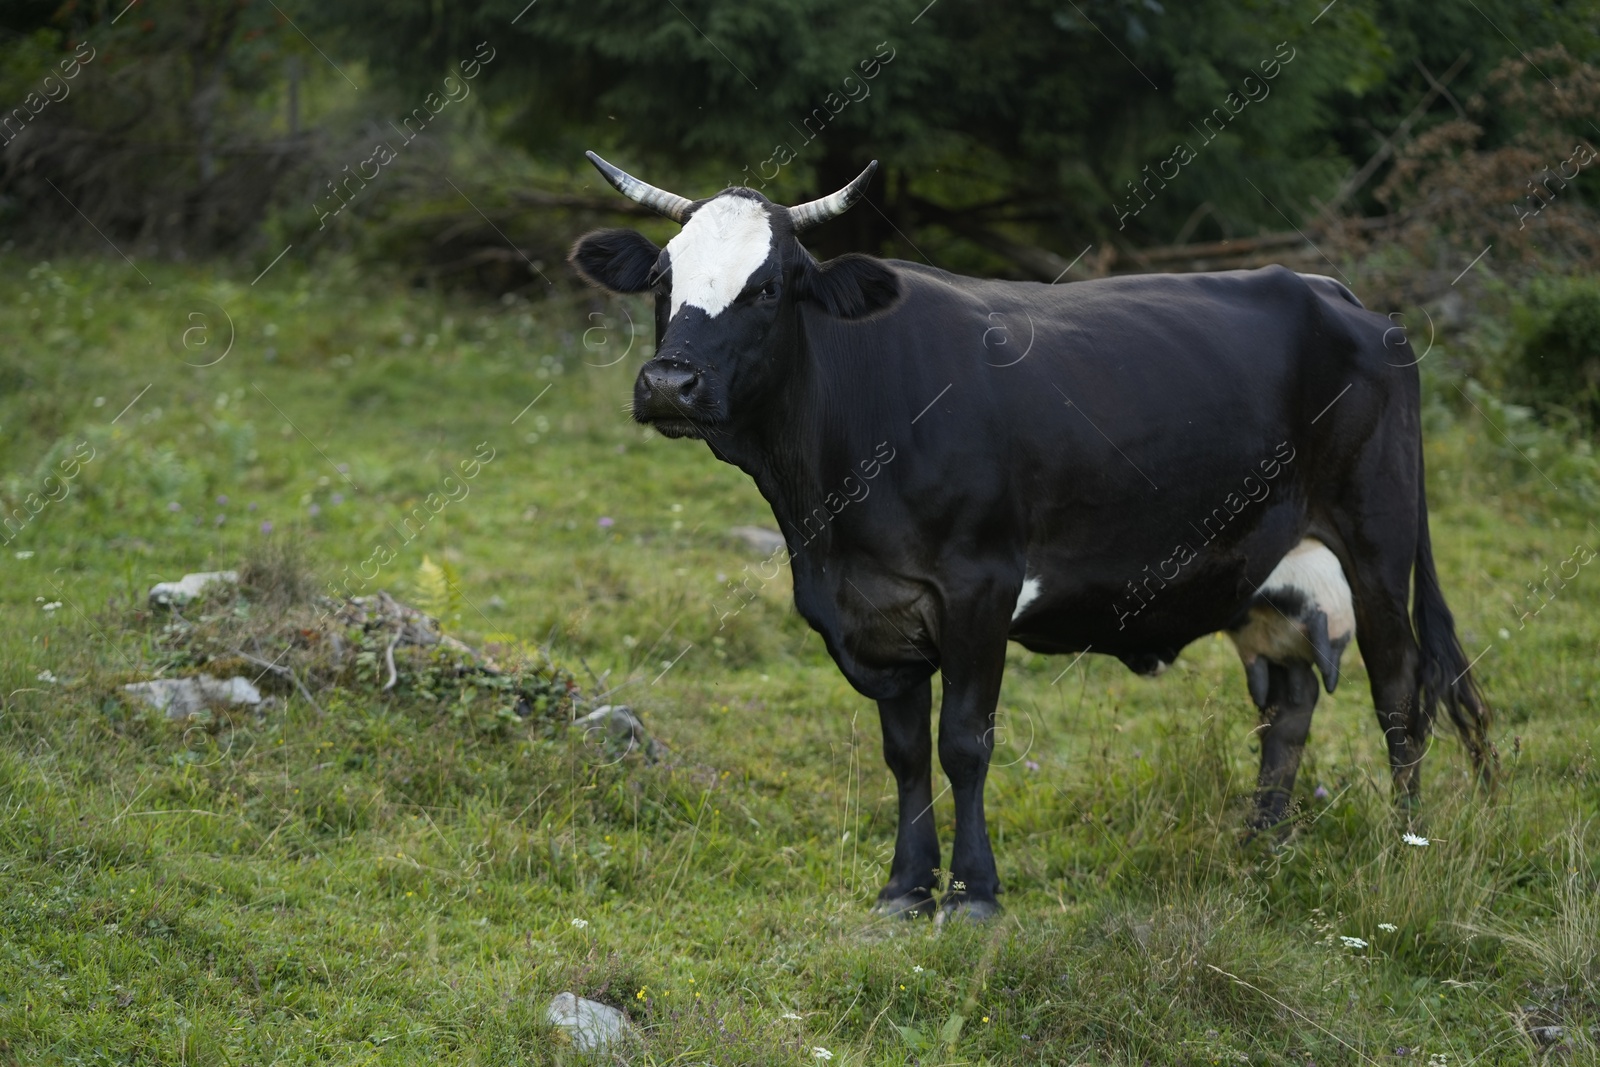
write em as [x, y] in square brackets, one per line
[618, 260]
[851, 286]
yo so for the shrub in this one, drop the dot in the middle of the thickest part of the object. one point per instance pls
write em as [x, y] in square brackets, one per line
[1558, 362]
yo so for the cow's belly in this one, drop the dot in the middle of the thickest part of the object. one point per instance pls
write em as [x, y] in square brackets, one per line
[1145, 640]
[1143, 606]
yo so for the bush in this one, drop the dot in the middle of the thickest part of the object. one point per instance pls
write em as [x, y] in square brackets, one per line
[1558, 362]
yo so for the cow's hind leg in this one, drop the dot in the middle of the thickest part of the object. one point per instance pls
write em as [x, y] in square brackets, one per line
[1378, 521]
[908, 750]
[1379, 569]
[1392, 665]
[1290, 698]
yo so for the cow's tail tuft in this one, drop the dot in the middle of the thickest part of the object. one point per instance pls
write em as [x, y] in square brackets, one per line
[1444, 675]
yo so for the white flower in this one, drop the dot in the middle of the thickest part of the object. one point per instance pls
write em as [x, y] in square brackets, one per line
[46, 676]
[1415, 839]
[789, 1015]
[1390, 927]
[916, 970]
[53, 605]
[580, 923]
[25, 555]
[821, 1053]
[1352, 942]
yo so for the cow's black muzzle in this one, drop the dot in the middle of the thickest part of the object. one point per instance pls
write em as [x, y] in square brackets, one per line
[670, 395]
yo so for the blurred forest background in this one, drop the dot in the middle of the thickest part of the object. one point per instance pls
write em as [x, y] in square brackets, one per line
[1023, 138]
[1012, 134]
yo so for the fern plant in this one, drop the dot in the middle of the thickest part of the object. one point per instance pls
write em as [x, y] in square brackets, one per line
[439, 590]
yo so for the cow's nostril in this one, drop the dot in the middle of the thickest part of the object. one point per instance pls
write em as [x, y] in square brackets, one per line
[673, 383]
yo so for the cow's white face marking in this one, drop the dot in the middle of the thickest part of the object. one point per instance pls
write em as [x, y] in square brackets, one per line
[1030, 593]
[718, 249]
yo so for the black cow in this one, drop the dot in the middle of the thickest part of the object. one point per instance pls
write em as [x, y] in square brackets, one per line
[1120, 465]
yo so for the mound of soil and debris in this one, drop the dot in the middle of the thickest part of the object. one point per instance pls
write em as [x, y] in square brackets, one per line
[219, 634]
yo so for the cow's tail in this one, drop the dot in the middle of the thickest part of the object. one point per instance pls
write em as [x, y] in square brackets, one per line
[1444, 675]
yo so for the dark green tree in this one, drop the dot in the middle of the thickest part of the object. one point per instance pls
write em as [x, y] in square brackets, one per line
[1008, 123]
[169, 130]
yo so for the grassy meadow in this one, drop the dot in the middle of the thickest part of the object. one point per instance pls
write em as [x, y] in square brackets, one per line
[378, 880]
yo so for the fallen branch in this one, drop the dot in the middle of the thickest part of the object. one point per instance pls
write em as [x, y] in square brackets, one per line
[388, 661]
[282, 672]
[1386, 149]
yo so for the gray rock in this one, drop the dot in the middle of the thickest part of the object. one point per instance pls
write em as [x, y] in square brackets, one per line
[190, 587]
[765, 541]
[616, 728]
[590, 1024]
[1449, 312]
[183, 698]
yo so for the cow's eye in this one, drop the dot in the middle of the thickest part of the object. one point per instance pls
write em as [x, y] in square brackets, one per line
[768, 291]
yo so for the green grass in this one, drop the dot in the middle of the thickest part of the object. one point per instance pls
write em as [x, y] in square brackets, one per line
[375, 881]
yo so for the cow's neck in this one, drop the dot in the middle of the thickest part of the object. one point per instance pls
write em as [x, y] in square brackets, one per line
[783, 447]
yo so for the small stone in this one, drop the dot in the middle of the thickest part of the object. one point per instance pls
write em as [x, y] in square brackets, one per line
[183, 698]
[616, 726]
[590, 1025]
[765, 541]
[191, 586]
[1547, 1035]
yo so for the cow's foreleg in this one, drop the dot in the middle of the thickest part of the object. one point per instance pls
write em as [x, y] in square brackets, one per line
[1291, 696]
[908, 750]
[966, 738]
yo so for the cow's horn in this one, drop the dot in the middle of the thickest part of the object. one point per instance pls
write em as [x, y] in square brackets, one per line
[816, 212]
[660, 201]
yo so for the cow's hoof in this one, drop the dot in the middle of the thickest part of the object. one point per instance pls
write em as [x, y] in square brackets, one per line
[1264, 830]
[966, 909]
[913, 905]
[1265, 846]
